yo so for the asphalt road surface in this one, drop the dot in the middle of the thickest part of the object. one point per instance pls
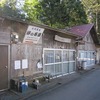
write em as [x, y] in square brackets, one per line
[85, 88]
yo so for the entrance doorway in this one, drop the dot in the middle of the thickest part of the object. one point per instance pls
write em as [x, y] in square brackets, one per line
[58, 61]
[3, 67]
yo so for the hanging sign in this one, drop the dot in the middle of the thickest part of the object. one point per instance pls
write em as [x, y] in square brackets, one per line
[33, 34]
[61, 39]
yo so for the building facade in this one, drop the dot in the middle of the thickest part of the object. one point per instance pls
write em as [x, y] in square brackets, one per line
[25, 51]
[86, 49]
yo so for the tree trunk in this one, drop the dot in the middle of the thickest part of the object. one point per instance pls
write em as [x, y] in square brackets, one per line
[96, 21]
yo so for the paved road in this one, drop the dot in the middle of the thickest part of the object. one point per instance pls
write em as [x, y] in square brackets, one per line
[85, 88]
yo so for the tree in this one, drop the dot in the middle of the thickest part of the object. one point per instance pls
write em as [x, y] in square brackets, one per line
[55, 13]
[32, 8]
[8, 8]
[61, 14]
[92, 8]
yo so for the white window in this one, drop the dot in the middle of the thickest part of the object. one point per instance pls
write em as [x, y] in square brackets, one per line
[88, 56]
[58, 61]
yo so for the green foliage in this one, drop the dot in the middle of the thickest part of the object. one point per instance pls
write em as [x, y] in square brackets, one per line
[8, 8]
[92, 8]
[62, 14]
[92, 5]
[55, 13]
[32, 8]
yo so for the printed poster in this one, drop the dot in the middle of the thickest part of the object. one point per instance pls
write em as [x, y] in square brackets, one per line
[33, 34]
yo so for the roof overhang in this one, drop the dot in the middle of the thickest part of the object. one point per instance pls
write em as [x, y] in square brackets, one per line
[43, 26]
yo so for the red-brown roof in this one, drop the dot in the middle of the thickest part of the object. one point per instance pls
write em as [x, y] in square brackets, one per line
[81, 30]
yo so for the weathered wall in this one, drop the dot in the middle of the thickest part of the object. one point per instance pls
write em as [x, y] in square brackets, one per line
[4, 36]
[19, 51]
[25, 51]
[14, 26]
[32, 52]
[49, 42]
[89, 44]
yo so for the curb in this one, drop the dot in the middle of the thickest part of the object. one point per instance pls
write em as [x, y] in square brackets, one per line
[51, 86]
[55, 83]
[58, 84]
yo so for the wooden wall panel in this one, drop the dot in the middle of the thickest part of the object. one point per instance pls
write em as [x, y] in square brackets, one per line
[14, 26]
[89, 45]
[4, 36]
[49, 42]
[25, 51]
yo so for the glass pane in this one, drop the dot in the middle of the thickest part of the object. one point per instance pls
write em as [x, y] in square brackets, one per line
[58, 56]
[65, 67]
[58, 69]
[49, 56]
[88, 58]
[85, 56]
[92, 58]
[49, 69]
[71, 55]
[65, 55]
[81, 55]
[71, 66]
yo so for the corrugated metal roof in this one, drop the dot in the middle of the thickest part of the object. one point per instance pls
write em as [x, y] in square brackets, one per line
[81, 30]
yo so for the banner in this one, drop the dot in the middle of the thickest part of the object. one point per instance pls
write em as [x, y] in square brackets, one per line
[33, 34]
[61, 39]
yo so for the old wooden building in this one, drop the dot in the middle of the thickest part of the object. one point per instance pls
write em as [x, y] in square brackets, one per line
[29, 49]
[86, 49]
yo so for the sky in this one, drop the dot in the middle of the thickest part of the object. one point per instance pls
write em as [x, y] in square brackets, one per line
[20, 4]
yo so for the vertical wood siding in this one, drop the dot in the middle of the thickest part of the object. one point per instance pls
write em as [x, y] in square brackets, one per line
[4, 36]
[50, 42]
[89, 44]
[25, 51]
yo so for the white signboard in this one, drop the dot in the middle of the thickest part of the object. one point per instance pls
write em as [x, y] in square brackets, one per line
[17, 64]
[33, 34]
[24, 63]
[61, 39]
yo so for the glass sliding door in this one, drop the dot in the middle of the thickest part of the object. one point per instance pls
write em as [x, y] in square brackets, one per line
[65, 65]
[58, 61]
[49, 56]
[49, 61]
[88, 57]
[50, 69]
[71, 61]
[65, 68]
